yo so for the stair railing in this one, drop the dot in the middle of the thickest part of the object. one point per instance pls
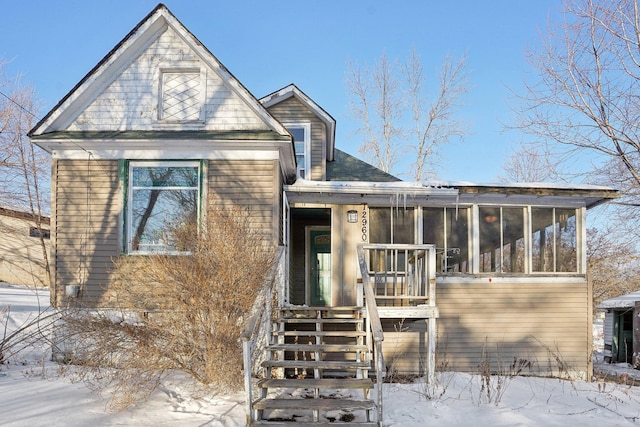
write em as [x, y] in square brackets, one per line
[256, 333]
[375, 327]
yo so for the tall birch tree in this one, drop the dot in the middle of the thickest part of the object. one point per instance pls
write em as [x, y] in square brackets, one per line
[400, 116]
[584, 106]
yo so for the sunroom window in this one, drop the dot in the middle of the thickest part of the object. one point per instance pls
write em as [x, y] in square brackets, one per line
[161, 196]
[391, 225]
[553, 240]
[448, 229]
[502, 244]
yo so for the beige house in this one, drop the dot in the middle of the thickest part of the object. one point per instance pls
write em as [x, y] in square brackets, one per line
[21, 253]
[160, 126]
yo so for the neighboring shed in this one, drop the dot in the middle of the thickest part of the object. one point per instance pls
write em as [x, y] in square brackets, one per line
[622, 329]
[21, 256]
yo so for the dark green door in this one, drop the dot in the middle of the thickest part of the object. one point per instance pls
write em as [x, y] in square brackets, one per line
[320, 266]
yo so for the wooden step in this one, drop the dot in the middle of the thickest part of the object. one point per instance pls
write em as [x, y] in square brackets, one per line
[312, 364]
[328, 348]
[346, 334]
[324, 383]
[303, 308]
[314, 404]
[312, 320]
[315, 424]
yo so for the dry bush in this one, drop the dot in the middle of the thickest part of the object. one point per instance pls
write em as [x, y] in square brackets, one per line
[176, 312]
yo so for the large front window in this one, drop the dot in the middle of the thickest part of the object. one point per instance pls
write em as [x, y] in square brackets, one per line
[161, 196]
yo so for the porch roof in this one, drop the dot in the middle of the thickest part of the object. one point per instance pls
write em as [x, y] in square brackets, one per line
[406, 193]
[559, 194]
[397, 192]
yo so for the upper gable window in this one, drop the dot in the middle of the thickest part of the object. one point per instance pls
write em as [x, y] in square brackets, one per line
[302, 142]
[181, 95]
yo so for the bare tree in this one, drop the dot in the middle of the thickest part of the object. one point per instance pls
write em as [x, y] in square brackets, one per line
[376, 103]
[584, 106]
[529, 163]
[398, 119]
[611, 265]
[434, 120]
[24, 168]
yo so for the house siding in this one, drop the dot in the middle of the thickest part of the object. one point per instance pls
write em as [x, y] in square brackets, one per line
[21, 259]
[132, 100]
[544, 323]
[89, 203]
[252, 184]
[292, 110]
[87, 207]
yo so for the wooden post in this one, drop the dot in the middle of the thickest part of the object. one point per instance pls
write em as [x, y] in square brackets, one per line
[246, 353]
[636, 336]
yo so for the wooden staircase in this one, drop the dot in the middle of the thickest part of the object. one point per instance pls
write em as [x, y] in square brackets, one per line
[316, 370]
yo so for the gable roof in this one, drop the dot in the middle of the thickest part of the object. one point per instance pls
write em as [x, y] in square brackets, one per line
[292, 90]
[123, 54]
[345, 167]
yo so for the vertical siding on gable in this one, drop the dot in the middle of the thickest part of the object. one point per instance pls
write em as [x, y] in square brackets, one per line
[87, 208]
[545, 324]
[131, 101]
[252, 184]
[292, 110]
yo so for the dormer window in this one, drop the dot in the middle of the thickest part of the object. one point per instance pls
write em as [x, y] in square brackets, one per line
[301, 133]
[181, 95]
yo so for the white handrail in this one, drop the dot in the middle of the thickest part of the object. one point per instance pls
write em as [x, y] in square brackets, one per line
[373, 320]
[260, 319]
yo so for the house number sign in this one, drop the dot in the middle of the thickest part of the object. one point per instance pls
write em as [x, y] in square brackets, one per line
[365, 224]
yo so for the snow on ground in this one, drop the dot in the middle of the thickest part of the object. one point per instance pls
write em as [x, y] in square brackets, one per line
[32, 393]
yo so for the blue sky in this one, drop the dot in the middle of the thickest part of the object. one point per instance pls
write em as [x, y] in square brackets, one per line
[269, 44]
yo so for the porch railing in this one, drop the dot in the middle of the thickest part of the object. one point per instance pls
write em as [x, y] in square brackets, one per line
[401, 283]
[256, 333]
[375, 335]
[402, 275]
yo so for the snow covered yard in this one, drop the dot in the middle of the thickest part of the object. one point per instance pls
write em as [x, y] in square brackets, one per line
[32, 393]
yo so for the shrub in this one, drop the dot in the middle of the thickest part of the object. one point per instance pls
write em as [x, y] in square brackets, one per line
[176, 312]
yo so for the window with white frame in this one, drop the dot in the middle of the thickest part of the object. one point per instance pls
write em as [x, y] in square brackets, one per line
[301, 133]
[502, 242]
[181, 94]
[510, 239]
[448, 229]
[160, 197]
[554, 245]
[391, 225]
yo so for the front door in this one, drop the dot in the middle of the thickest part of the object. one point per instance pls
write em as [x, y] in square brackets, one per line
[319, 266]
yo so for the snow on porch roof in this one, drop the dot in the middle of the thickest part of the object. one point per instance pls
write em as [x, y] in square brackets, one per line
[368, 187]
[624, 301]
[463, 192]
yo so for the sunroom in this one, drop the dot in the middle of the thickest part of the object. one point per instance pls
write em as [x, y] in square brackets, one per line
[500, 251]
